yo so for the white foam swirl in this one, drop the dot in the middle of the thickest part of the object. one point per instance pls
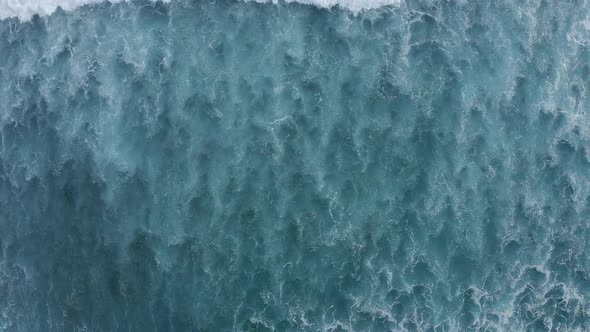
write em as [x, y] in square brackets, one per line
[25, 9]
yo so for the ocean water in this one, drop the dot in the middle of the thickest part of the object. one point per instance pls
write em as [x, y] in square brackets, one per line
[223, 165]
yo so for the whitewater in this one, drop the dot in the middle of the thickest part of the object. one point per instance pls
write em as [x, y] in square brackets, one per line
[416, 165]
[25, 9]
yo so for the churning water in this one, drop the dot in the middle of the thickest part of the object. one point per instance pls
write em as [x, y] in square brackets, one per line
[224, 165]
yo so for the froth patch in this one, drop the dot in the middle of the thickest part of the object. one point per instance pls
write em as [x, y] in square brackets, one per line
[25, 9]
[353, 5]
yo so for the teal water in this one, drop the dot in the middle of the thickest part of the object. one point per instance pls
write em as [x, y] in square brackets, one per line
[241, 166]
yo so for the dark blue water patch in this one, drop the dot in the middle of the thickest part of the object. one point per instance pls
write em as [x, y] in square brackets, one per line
[197, 166]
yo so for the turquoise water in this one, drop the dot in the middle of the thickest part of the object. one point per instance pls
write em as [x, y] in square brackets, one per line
[229, 166]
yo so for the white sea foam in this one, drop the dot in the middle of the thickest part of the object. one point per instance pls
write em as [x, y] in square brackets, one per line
[25, 9]
[353, 5]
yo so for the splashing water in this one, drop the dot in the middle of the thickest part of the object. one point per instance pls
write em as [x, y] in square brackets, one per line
[228, 165]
